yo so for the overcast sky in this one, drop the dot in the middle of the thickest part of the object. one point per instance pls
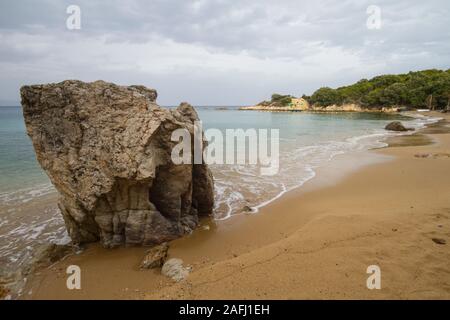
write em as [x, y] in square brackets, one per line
[218, 52]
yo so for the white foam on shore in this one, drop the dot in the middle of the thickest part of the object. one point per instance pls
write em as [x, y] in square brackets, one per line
[285, 190]
[26, 194]
[20, 238]
[311, 157]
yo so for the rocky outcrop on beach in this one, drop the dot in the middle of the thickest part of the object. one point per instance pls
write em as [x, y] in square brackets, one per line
[294, 105]
[397, 126]
[107, 150]
[350, 107]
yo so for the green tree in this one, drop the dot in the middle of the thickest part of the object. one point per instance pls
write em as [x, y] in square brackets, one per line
[414, 89]
[326, 96]
[282, 100]
[394, 95]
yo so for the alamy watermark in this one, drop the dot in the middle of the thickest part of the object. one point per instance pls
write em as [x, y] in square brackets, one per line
[73, 281]
[237, 146]
[373, 22]
[374, 280]
[73, 21]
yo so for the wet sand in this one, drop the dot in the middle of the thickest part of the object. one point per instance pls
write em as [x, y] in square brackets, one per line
[382, 208]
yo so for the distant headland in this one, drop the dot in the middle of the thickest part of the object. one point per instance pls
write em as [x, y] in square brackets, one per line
[428, 89]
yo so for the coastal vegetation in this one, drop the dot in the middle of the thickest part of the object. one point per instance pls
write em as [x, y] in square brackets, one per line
[392, 92]
[284, 100]
[419, 89]
[278, 100]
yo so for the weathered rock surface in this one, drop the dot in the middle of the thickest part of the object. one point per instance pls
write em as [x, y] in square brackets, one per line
[3, 292]
[155, 257]
[396, 126]
[107, 149]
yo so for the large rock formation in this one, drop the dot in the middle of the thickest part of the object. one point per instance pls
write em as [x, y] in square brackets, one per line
[107, 149]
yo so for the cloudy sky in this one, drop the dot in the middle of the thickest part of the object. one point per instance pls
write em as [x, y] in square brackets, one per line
[218, 52]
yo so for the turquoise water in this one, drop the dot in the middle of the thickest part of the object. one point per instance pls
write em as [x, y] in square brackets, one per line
[18, 166]
[307, 141]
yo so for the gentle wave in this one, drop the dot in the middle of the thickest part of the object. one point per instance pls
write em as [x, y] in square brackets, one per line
[230, 202]
[26, 194]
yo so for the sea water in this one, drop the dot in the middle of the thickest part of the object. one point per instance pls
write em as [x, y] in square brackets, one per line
[307, 141]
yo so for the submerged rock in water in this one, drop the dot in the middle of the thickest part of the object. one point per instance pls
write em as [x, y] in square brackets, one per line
[397, 126]
[107, 149]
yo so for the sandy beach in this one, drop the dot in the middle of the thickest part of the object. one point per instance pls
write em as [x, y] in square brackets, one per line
[383, 207]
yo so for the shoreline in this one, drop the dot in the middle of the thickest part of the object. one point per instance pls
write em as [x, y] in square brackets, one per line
[224, 242]
[422, 139]
[352, 108]
[302, 269]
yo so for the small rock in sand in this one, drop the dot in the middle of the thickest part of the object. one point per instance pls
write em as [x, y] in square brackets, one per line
[422, 155]
[174, 269]
[439, 240]
[155, 257]
[247, 209]
[397, 126]
[432, 155]
[441, 155]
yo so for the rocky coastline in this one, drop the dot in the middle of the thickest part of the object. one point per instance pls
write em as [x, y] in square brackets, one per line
[301, 105]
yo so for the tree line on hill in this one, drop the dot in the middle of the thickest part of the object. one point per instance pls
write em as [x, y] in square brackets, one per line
[419, 89]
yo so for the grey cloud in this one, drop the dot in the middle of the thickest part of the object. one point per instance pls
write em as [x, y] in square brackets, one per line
[203, 50]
